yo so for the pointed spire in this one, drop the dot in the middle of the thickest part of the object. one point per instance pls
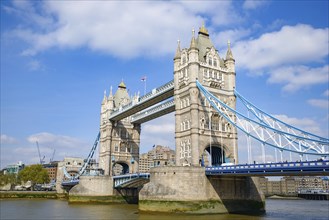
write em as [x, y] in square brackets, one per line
[193, 43]
[203, 30]
[104, 98]
[229, 54]
[177, 55]
[122, 85]
[110, 95]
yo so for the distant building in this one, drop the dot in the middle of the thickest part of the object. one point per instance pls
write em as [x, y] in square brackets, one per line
[14, 168]
[72, 166]
[52, 170]
[289, 186]
[158, 156]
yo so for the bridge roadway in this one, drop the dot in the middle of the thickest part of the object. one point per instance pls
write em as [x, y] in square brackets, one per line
[157, 95]
[303, 168]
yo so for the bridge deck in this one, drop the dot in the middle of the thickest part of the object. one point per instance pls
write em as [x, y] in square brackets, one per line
[304, 168]
[156, 96]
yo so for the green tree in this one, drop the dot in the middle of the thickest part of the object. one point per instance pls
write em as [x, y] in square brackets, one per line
[34, 173]
[8, 178]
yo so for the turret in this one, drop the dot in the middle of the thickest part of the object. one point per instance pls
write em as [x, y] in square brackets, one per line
[230, 61]
[193, 51]
[177, 58]
[230, 64]
[110, 100]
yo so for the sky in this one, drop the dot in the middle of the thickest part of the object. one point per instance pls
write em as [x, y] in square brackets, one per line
[58, 58]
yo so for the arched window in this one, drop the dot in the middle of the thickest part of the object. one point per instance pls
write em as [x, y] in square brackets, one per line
[210, 61]
[184, 59]
[215, 122]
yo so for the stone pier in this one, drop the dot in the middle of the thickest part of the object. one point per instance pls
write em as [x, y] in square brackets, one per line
[100, 189]
[189, 190]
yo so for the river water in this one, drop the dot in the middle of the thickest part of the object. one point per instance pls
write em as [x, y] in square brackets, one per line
[276, 209]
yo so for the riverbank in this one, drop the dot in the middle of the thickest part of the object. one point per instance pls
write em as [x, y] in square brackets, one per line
[284, 197]
[31, 195]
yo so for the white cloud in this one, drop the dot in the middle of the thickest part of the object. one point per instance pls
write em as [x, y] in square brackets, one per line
[291, 44]
[305, 124]
[58, 141]
[5, 139]
[253, 4]
[123, 29]
[321, 103]
[27, 152]
[34, 65]
[297, 77]
[160, 131]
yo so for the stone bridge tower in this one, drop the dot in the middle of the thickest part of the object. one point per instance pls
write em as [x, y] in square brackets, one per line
[202, 135]
[119, 141]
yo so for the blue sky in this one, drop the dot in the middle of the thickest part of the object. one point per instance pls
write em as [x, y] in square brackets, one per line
[58, 57]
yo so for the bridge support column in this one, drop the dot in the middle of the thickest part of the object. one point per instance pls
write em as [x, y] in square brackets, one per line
[189, 190]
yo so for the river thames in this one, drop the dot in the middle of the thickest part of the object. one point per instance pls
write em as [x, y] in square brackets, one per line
[60, 209]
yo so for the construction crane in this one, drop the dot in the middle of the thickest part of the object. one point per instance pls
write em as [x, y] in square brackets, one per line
[52, 157]
[42, 161]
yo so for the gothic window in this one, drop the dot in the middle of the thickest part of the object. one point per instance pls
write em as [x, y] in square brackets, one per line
[122, 148]
[184, 59]
[210, 61]
[215, 122]
[182, 146]
[188, 148]
[123, 134]
[223, 126]
[202, 123]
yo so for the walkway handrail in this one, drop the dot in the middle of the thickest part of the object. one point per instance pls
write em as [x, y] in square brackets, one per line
[154, 92]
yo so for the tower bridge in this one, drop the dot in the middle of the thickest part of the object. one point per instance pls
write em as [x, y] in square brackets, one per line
[203, 96]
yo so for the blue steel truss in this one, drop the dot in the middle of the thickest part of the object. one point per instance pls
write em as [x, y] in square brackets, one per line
[74, 179]
[267, 129]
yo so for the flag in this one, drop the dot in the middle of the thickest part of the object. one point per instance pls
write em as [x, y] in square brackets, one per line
[143, 79]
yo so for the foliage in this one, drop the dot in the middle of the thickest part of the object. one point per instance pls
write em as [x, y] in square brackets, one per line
[8, 178]
[34, 173]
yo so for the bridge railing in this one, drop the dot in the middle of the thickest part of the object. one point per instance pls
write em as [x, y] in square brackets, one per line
[271, 168]
[154, 110]
[121, 179]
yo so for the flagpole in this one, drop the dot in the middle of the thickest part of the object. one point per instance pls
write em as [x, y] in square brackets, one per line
[144, 80]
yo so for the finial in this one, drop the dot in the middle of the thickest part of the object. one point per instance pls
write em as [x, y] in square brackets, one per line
[203, 29]
[229, 54]
[193, 43]
[111, 91]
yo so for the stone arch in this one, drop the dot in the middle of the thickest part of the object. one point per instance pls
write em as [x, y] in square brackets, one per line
[120, 168]
[214, 155]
